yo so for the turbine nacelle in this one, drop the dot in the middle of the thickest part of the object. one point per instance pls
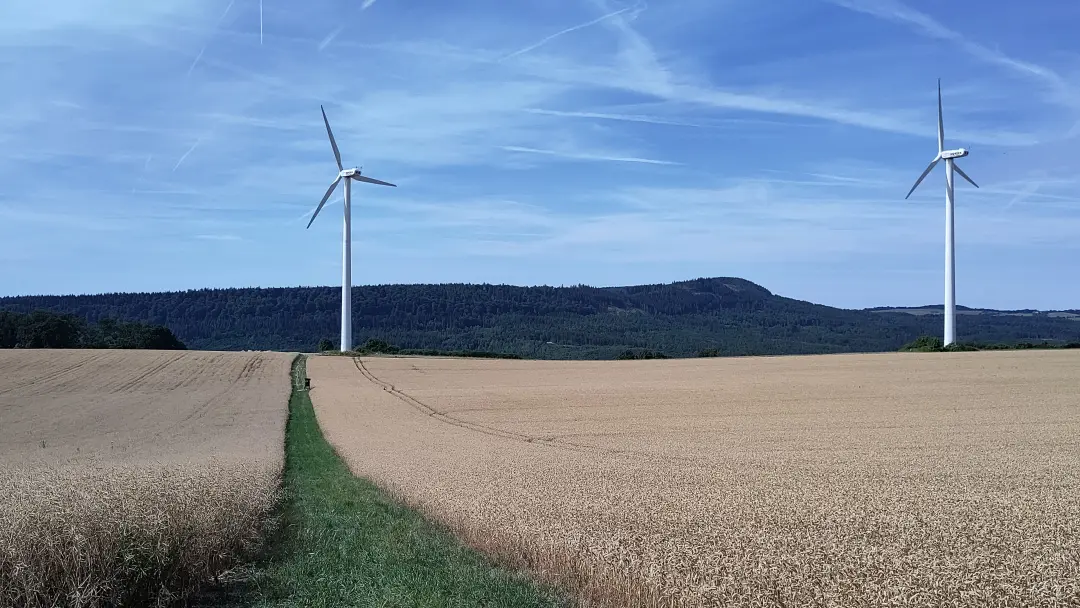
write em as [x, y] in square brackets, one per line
[958, 153]
[349, 172]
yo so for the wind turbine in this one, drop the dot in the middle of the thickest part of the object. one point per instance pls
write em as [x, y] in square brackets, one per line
[346, 242]
[949, 156]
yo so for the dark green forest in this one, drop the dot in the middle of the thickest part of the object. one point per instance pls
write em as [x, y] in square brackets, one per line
[718, 316]
[44, 329]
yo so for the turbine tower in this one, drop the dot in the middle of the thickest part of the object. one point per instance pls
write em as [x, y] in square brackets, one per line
[949, 156]
[346, 241]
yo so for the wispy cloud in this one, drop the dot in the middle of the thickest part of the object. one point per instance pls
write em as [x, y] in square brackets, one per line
[172, 192]
[639, 70]
[898, 12]
[587, 156]
[656, 120]
[30, 18]
[563, 32]
[218, 237]
[61, 219]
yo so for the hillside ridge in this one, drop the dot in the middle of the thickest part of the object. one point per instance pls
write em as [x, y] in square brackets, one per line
[727, 315]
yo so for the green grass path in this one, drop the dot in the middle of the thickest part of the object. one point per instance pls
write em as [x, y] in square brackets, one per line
[345, 543]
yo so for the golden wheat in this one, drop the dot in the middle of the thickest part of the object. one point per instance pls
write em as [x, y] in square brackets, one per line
[132, 477]
[863, 480]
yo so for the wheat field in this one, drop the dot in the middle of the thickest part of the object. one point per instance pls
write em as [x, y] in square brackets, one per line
[848, 480]
[131, 476]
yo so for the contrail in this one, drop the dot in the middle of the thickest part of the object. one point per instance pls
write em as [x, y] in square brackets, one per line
[329, 203]
[608, 116]
[329, 38]
[186, 154]
[533, 47]
[220, 19]
[196, 62]
[367, 4]
[260, 22]
[146, 165]
[1026, 192]
[593, 157]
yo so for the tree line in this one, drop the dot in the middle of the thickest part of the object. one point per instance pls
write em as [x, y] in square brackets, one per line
[934, 344]
[43, 329]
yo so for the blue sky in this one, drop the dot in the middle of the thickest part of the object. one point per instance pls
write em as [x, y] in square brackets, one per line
[178, 144]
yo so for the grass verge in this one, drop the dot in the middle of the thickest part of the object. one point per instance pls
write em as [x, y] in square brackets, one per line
[346, 543]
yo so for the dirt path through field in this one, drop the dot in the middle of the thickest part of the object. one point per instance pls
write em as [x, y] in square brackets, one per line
[835, 480]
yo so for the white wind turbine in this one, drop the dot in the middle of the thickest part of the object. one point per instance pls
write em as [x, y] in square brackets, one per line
[346, 243]
[949, 156]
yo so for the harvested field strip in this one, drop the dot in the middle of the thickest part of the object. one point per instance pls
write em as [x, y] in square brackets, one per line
[855, 480]
[347, 543]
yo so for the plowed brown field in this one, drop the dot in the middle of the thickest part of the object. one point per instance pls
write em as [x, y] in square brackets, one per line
[850, 480]
[131, 469]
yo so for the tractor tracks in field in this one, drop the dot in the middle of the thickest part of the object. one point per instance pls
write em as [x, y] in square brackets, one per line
[550, 442]
[146, 373]
[53, 375]
[253, 365]
[443, 417]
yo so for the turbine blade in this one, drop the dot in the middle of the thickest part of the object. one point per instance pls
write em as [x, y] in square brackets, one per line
[325, 197]
[337, 154]
[371, 180]
[929, 168]
[940, 121]
[957, 168]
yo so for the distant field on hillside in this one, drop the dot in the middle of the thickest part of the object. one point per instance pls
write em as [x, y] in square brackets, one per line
[126, 471]
[848, 480]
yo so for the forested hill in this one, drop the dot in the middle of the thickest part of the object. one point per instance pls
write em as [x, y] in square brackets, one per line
[732, 316]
